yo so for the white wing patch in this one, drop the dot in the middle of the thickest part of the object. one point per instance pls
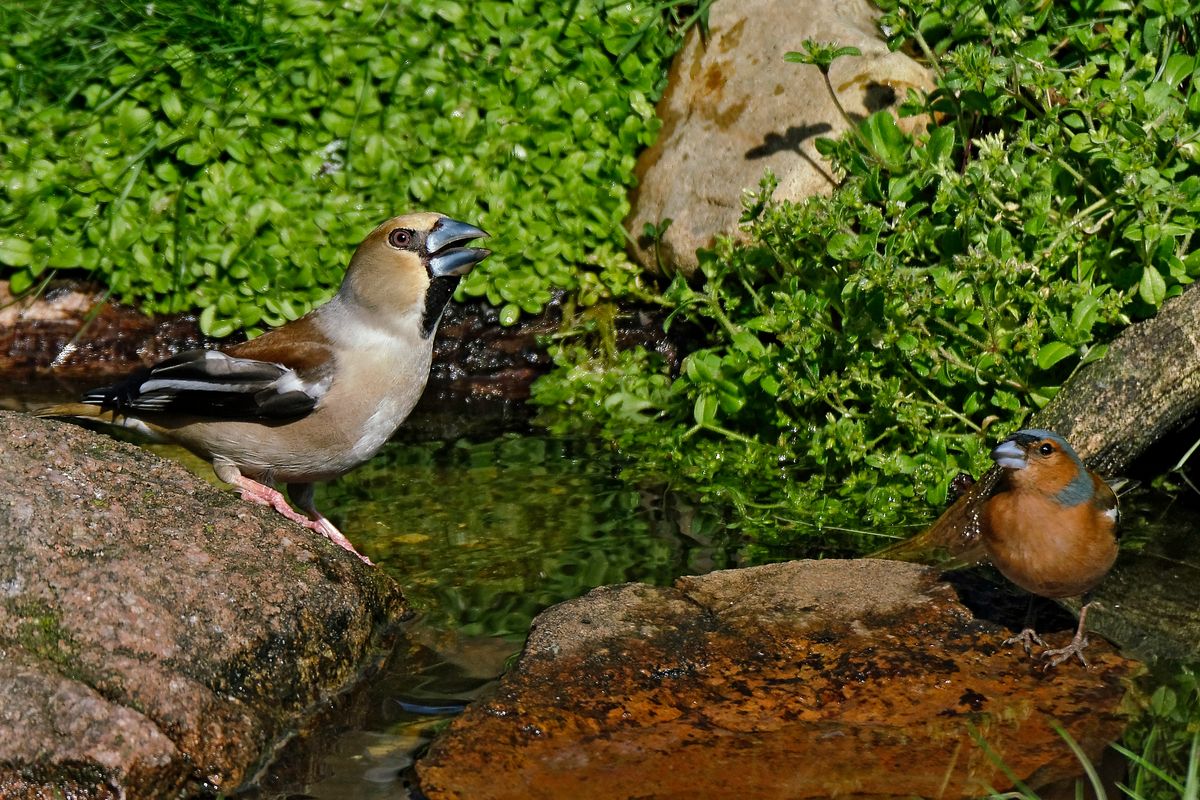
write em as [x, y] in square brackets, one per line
[212, 383]
[290, 382]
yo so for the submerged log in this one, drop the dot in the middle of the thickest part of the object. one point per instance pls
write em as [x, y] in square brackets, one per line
[1145, 388]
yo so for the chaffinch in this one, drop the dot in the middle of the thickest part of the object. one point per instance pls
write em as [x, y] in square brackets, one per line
[1050, 526]
[315, 398]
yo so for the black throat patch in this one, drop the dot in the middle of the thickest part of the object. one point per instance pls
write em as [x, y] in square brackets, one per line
[439, 294]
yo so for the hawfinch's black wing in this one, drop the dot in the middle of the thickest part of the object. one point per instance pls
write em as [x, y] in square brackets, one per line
[210, 383]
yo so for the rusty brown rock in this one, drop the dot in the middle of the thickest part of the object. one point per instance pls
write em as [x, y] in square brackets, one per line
[159, 636]
[807, 679]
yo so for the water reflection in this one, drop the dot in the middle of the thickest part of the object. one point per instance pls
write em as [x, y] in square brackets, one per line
[482, 536]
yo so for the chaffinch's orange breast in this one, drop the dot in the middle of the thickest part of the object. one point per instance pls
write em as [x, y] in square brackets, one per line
[1047, 548]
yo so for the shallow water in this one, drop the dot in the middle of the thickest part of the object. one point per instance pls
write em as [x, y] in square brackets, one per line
[482, 536]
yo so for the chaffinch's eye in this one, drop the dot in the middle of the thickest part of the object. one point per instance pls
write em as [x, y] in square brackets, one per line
[1046, 448]
[401, 238]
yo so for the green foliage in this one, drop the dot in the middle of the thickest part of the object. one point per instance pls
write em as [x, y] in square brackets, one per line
[1163, 746]
[862, 348]
[819, 54]
[228, 156]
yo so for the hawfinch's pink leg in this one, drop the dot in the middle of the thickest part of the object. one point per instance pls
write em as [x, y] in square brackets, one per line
[264, 495]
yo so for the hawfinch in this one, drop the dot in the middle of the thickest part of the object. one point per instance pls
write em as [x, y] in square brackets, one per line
[316, 397]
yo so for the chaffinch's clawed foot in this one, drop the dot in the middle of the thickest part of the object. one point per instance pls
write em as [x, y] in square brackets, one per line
[1027, 638]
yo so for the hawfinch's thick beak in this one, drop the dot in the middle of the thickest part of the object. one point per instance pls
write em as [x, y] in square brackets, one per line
[446, 256]
[1010, 455]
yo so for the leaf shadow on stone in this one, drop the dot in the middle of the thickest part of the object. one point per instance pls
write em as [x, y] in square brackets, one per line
[791, 140]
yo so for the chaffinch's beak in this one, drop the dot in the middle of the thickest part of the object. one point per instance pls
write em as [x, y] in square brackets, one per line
[1010, 455]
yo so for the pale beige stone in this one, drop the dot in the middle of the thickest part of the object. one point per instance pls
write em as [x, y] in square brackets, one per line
[734, 108]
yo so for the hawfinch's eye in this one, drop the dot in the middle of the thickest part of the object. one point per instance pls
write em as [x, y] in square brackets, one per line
[400, 238]
[1046, 448]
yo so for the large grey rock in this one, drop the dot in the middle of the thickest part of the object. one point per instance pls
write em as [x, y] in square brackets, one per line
[735, 108]
[159, 636]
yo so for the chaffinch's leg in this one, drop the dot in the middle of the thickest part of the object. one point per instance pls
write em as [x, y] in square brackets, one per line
[1075, 647]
